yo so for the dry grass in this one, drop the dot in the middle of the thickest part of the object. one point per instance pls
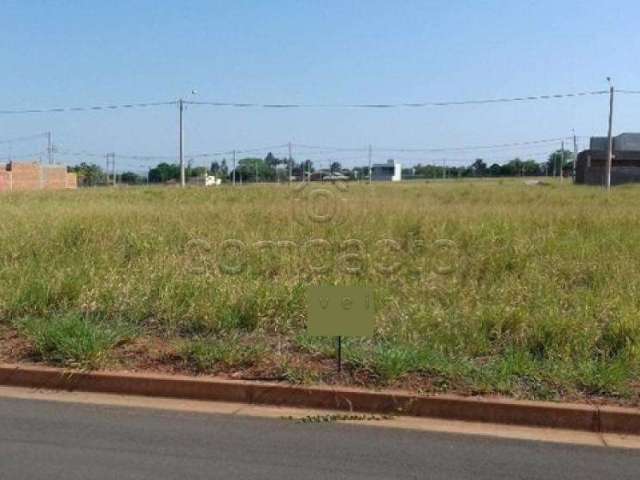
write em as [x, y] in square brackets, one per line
[534, 293]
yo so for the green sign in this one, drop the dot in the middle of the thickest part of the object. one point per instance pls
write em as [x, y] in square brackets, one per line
[340, 311]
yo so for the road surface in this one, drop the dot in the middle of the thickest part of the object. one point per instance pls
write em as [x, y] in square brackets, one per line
[52, 440]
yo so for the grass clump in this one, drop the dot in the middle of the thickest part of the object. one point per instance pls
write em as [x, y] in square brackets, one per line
[73, 340]
[210, 354]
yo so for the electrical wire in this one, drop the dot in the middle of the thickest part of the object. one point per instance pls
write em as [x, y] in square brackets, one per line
[23, 156]
[85, 108]
[483, 101]
[329, 149]
[24, 138]
[398, 105]
[316, 150]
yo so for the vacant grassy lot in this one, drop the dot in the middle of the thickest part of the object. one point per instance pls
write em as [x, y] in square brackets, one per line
[532, 291]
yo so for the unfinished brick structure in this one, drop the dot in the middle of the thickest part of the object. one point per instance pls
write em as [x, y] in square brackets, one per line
[591, 165]
[24, 177]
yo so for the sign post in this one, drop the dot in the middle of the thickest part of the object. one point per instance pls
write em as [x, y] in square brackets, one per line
[335, 311]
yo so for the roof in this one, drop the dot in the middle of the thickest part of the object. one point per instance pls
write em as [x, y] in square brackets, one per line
[624, 142]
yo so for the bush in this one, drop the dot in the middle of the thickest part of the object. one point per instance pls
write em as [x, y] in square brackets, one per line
[206, 354]
[72, 340]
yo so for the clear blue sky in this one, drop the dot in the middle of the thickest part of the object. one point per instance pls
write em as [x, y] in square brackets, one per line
[70, 53]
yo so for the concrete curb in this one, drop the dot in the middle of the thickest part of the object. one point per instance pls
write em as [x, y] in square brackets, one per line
[492, 410]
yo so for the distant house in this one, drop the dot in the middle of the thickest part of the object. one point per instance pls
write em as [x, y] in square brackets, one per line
[205, 180]
[332, 177]
[325, 175]
[386, 172]
[625, 167]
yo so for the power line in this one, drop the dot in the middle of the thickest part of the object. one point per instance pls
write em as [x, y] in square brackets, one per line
[85, 108]
[325, 150]
[24, 156]
[24, 138]
[483, 101]
[80, 153]
[230, 152]
[399, 105]
[329, 149]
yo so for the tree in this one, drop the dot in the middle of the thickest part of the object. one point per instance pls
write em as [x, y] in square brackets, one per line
[198, 172]
[89, 174]
[531, 167]
[559, 160]
[271, 161]
[164, 172]
[307, 165]
[130, 178]
[479, 168]
[495, 170]
[512, 168]
[248, 168]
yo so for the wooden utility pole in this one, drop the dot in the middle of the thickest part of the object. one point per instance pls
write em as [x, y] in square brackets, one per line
[183, 180]
[575, 156]
[115, 175]
[234, 167]
[111, 167]
[610, 139]
[290, 164]
[561, 161]
[370, 155]
[106, 168]
[50, 148]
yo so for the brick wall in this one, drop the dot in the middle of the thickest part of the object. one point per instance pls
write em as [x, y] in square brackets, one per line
[26, 176]
[5, 181]
[591, 168]
[54, 177]
[22, 177]
[71, 180]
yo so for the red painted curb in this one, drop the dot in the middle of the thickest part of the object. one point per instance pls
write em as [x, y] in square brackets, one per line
[514, 412]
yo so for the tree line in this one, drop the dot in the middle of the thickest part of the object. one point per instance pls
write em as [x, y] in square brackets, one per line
[273, 169]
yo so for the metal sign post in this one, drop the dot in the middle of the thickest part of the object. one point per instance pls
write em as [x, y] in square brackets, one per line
[335, 311]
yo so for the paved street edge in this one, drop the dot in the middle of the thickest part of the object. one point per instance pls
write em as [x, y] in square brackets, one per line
[584, 417]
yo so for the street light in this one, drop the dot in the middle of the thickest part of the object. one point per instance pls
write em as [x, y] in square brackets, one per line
[181, 139]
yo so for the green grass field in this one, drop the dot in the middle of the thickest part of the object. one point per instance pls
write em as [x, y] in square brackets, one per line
[480, 286]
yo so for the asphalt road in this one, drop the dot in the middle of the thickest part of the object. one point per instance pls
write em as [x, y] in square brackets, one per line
[51, 440]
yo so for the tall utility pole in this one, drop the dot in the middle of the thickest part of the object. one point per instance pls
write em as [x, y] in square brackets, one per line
[290, 164]
[234, 167]
[610, 148]
[183, 181]
[370, 155]
[49, 148]
[561, 161]
[115, 176]
[575, 156]
[111, 167]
